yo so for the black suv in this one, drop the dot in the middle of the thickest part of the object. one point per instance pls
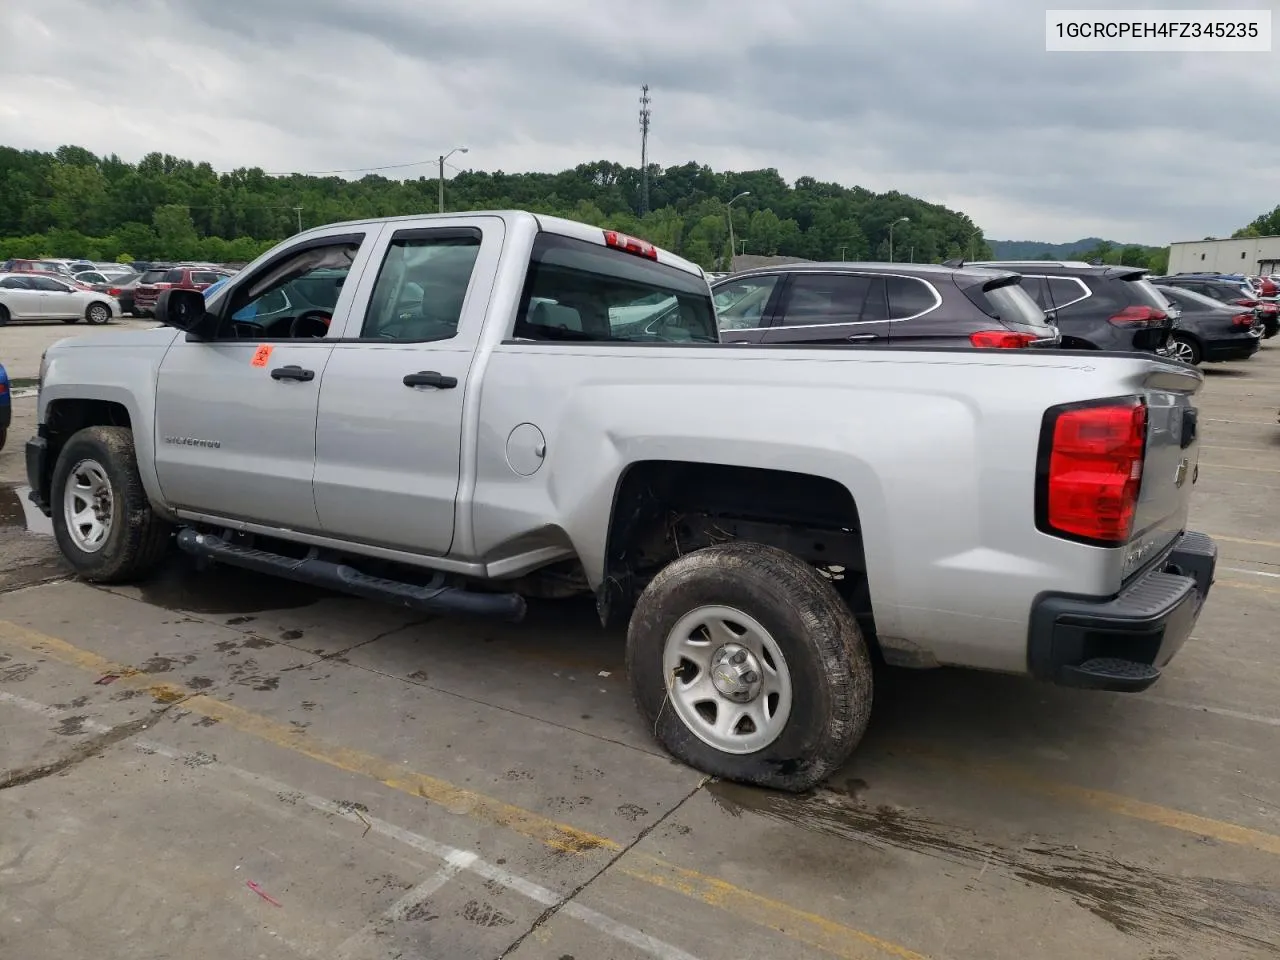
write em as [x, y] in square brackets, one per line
[1228, 292]
[878, 305]
[1096, 307]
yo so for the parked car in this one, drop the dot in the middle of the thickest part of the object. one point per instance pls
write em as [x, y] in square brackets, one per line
[35, 266]
[38, 296]
[1096, 307]
[1210, 331]
[181, 277]
[880, 305]
[1226, 291]
[462, 426]
[6, 406]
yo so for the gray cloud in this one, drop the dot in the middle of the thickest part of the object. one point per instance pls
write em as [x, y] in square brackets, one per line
[955, 101]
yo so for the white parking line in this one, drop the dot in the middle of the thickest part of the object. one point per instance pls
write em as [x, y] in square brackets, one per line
[453, 857]
[1219, 711]
[1256, 573]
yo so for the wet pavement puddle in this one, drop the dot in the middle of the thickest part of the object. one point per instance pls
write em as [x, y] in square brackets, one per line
[17, 511]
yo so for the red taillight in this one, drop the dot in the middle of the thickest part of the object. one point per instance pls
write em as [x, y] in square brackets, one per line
[1004, 339]
[620, 241]
[1093, 472]
[1139, 317]
[1242, 320]
[114, 291]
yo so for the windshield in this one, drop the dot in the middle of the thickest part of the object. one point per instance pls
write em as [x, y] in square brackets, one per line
[583, 291]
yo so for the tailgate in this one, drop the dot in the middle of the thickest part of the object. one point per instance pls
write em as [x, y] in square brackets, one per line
[1169, 471]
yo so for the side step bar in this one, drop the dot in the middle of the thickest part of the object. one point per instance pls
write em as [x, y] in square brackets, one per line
[434, 598]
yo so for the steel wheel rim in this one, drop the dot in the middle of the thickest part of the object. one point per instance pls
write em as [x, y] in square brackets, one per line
[87, 506]
[706, 680]
[1181, 350]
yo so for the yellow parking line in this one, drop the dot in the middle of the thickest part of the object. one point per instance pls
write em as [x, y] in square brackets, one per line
[830, 936]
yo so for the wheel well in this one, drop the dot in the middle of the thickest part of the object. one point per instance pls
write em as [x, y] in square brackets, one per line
[663, 509]
[65, 418]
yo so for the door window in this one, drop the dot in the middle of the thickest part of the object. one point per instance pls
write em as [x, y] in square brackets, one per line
[291, 298]
[740, 305]
[14, 283]
[421, 286]
[817, 299]
[48, 283]
[909, 297]
[1066, 291]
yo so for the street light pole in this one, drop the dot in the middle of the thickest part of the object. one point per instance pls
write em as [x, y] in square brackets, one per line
[891, 226]
[729, 208]
[443, 158]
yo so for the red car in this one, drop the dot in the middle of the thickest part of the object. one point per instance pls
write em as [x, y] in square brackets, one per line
[158, 279]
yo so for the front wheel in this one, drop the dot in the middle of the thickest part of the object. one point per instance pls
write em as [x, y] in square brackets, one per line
[102, 519]
[1184, 349]
[746, 664]
[98, 314]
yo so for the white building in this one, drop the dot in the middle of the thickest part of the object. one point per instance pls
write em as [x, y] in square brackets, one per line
[1250, 255]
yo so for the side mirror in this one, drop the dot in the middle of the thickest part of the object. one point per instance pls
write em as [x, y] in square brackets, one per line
[183, 309]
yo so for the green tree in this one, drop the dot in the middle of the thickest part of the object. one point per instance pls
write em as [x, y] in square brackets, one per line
[175, 230]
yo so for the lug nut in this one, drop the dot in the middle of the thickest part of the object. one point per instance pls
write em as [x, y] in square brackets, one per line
[750, 677]
[740, 657]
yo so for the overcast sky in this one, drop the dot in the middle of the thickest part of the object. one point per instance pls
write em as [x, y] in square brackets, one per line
[954, 101]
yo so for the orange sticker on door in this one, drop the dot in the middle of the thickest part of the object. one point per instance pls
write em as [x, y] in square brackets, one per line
[261, 355]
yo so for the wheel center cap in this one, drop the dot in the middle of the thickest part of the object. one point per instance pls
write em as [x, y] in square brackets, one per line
[735, 673]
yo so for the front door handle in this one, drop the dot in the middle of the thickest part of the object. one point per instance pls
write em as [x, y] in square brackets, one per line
[429, 378]
[292, 372]
[861, 336]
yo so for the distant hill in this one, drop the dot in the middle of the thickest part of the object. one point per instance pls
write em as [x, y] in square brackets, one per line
[1035, 249]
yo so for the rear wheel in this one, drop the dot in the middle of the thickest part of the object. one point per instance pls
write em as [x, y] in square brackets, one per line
[746, 664]
[98, 313]
[1183, 348]
[102, 519]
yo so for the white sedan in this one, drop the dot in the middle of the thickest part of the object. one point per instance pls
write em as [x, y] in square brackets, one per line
[38, 296]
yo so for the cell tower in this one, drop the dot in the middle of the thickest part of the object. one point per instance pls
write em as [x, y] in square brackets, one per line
[644, 149]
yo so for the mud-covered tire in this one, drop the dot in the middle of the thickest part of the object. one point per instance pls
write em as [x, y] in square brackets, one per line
[829, 666]
[136, 539]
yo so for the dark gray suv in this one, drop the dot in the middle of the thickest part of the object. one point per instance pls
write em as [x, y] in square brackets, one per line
[878, 305]
[1096, 307]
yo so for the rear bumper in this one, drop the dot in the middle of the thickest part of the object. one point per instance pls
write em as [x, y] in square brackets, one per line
[1121, 643]
[1237, 348]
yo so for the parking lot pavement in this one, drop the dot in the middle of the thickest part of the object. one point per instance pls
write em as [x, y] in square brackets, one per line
[220, 766]
[21, 343]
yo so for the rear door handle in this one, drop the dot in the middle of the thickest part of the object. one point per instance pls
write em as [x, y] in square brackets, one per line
[862, 336]
[292, 372]
[429, 378]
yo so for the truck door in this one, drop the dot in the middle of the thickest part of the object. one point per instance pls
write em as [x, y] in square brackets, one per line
[236, 412]
[389, 446]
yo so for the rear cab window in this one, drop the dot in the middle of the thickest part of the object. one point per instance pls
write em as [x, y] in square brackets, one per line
[585, 292]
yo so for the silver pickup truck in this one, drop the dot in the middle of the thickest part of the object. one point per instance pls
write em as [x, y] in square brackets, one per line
[455, 413]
